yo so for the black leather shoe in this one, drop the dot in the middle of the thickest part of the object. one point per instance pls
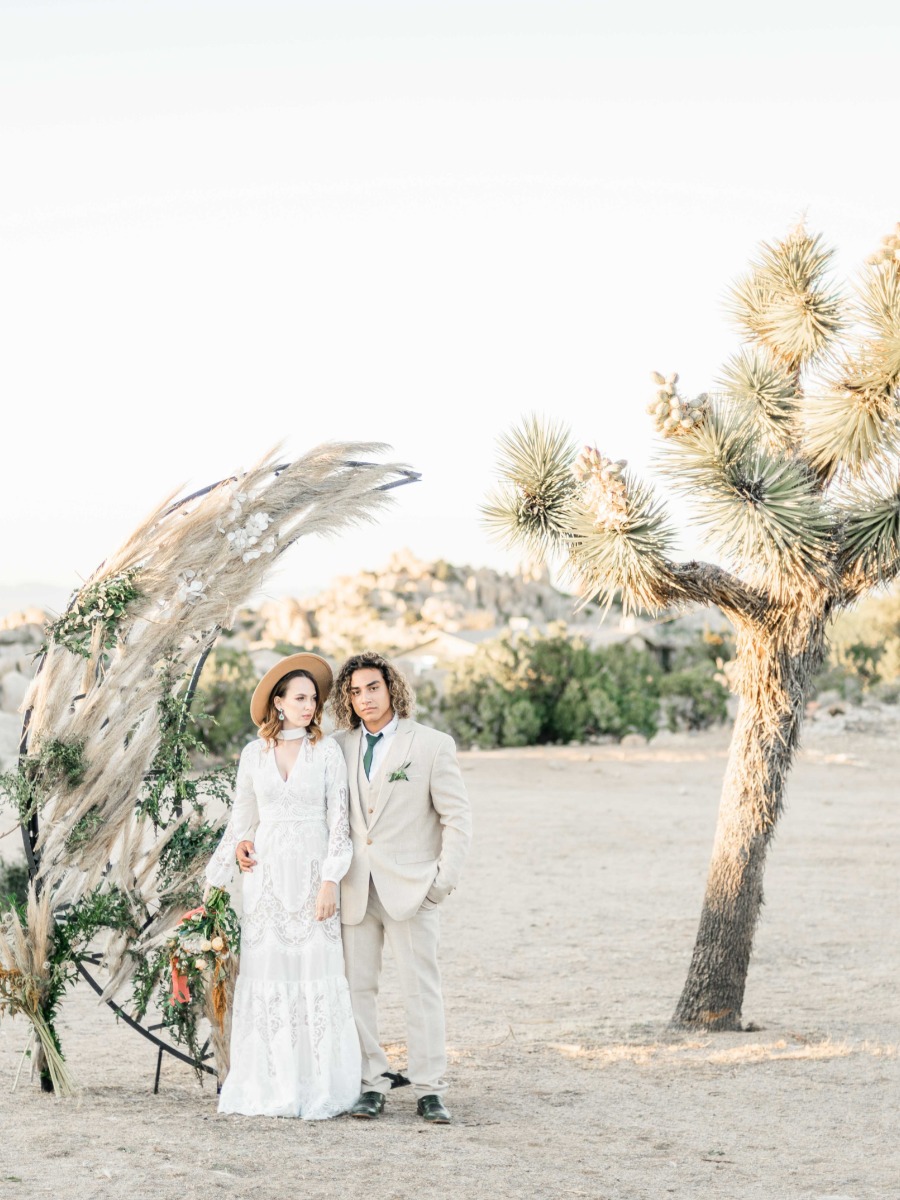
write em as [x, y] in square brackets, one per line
[369, 1106]
[430, 1108]
[397, 1080]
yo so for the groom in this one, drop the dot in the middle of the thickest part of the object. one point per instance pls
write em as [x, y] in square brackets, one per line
[411, 824]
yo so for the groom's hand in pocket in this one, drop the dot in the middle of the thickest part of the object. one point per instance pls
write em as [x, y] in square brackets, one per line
[244, 855]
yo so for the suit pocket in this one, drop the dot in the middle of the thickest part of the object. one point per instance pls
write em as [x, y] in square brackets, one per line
[414, 856]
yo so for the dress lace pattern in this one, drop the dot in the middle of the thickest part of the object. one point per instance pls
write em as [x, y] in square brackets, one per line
[294, 1047]
[290, 931]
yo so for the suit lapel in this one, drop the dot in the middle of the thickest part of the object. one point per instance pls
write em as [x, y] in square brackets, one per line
[398, 754]
[351, 757]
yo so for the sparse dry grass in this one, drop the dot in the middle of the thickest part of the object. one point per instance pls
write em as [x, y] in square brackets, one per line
[708, 1051]
[563, 953]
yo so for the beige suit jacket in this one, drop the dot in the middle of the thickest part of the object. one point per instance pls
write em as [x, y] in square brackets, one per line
[415, 842]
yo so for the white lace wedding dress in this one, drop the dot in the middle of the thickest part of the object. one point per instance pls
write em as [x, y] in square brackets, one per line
[294, 1046]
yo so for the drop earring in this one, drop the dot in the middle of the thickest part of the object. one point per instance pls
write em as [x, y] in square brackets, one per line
[281, 714]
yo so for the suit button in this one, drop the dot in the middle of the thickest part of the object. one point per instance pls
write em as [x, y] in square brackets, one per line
[371, 810]
[368, 841]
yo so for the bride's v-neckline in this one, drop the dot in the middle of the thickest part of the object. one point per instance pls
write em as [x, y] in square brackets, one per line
[293, 766]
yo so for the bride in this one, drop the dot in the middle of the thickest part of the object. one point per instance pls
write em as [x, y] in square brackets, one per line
[294, 1046]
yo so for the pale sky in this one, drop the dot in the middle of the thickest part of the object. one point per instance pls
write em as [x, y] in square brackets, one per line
[226, 224]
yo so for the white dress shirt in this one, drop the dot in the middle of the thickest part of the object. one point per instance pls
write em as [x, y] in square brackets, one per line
[381, 746]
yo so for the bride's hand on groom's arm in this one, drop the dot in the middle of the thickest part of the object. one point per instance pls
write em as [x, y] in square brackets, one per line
[244, 855]
[326, 901]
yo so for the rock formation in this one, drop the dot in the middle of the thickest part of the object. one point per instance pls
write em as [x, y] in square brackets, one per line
[391, 610]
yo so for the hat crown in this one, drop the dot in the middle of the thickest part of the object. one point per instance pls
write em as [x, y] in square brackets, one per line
[313, 664]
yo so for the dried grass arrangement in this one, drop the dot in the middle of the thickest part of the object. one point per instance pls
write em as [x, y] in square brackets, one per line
[116, 832]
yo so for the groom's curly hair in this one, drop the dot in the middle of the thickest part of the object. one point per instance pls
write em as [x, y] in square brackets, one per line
[403, 701]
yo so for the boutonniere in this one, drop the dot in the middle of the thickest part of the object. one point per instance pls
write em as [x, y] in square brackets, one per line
[400, 773]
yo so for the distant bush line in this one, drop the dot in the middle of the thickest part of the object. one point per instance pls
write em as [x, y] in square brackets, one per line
[517, 692]
[536, 690]
[533, 691]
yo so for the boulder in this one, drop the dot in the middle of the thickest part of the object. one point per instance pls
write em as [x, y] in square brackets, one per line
[31, 619]
[13, 687]
[17, 635]
[264, 659]
[9, 657]
[667, 737]
[10, 732]
[633, 739]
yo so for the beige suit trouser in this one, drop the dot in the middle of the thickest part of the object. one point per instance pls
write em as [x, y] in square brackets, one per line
[414, 945]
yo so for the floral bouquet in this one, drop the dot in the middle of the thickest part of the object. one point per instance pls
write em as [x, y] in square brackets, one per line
[200, 950]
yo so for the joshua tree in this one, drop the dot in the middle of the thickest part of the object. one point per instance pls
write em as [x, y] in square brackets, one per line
[794, 467]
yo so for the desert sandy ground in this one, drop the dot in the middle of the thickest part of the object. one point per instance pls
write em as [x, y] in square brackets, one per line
[563, 956]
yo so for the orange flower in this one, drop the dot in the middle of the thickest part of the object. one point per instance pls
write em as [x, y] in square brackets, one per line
[181, 993]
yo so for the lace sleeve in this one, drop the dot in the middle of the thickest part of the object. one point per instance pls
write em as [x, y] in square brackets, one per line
[242, 824]
[340, 848]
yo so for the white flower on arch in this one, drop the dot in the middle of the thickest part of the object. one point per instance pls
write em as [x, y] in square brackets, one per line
[190, 587]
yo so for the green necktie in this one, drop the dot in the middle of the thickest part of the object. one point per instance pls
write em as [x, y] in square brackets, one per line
[371, 738]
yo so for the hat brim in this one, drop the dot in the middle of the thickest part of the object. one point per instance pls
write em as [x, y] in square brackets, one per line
[313, 663]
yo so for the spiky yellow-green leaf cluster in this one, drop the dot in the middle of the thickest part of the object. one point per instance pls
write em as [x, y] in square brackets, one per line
[785, 304]
[531, 505]
[854, 426]
[626, 556]
[766, 391]
[763, 509]
[870, 550]
[794, 468]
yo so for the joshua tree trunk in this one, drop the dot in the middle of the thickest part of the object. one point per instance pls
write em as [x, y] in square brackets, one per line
[774, 679]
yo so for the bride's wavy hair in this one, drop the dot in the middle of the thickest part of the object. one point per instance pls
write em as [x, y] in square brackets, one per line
[403, 701]
[271, 726]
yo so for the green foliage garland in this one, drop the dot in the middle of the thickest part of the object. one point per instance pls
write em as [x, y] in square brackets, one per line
[172, 787]
[99, 605]
[36, 775]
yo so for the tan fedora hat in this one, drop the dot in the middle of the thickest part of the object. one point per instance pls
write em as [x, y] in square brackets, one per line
[313, 663]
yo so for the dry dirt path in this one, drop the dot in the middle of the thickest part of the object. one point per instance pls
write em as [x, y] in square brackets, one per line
[563, 956]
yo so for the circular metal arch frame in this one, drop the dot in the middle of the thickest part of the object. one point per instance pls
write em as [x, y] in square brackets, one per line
[31, 827]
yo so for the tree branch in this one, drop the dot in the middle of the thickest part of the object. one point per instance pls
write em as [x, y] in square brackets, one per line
[706, 583]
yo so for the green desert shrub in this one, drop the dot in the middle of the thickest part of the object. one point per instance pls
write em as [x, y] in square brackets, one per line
[692, 698]
[864, 650]
[693, 693]
[13, 884]
[540, 690]
[532, 691]
[226, 685]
